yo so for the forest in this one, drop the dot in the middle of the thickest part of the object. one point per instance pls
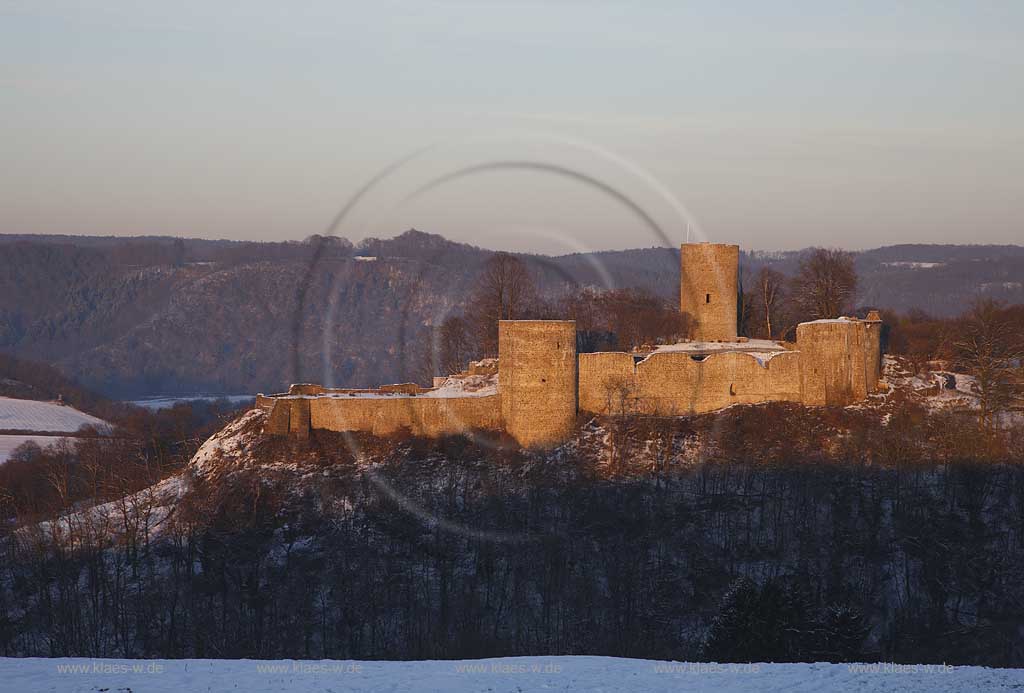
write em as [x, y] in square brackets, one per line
[762, 533]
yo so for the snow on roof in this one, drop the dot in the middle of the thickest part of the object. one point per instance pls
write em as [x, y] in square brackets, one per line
[827, 320]
[469, 386]
[758, 345]
[760, 349]
[763, 357]
[453, 386]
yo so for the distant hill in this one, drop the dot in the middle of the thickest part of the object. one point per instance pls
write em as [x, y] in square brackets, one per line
[160, 315]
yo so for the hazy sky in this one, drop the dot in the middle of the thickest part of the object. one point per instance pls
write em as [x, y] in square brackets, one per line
[552, 126]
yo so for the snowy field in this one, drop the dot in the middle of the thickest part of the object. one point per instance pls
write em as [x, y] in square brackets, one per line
[513, 674]
[30, 415]
[166, 402]
[8, 443]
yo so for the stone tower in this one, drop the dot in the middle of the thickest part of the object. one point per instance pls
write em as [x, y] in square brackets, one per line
[537, 380]
[873, 353]
[708, 278]
[840, 360]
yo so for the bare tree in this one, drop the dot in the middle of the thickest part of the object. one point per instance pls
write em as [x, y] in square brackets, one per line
[990, 348]
[825, 284]
[770, 287]
[624, 318]
[504, 291]
[454, 345]
[746, 306]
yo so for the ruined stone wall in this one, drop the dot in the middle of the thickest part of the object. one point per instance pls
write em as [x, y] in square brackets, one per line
[674, 383]
[542, 382]
[537, 380]
[278, 417]
[607, 382]
[708, 288]
[298, 417]
[834, 354]
[873, 351]
[424, 416]
[306, 389]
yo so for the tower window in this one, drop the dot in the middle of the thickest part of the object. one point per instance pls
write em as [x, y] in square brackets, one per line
[707, 298]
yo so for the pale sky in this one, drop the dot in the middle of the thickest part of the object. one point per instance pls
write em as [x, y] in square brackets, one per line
[540, 126]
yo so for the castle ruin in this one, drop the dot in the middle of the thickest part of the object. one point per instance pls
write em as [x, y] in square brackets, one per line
[538, 384]
[709, 289]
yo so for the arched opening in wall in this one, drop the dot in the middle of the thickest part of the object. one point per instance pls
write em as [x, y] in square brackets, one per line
[698, 357]
[732, 389]
[707, 298]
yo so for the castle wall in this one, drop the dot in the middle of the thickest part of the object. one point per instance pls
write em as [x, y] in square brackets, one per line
[298, 420]
[423, 416]
[607, 382]
[836, 354]
[542, 383]
[708, 288]
[873, 351]
[278, 417]
[784, 376]
[674, 383]
[306, 389]
[537, 380]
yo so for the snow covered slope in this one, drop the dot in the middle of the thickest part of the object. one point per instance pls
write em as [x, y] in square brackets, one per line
[520, 674]
[30, 415]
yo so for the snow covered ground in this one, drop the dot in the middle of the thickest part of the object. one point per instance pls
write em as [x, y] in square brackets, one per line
[492, 675]
[30, 415]
[9, 443]
[915, 265]
[160, 402]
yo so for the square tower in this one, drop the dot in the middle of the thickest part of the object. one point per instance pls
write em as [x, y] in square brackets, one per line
[708, 289]
[537, 380]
